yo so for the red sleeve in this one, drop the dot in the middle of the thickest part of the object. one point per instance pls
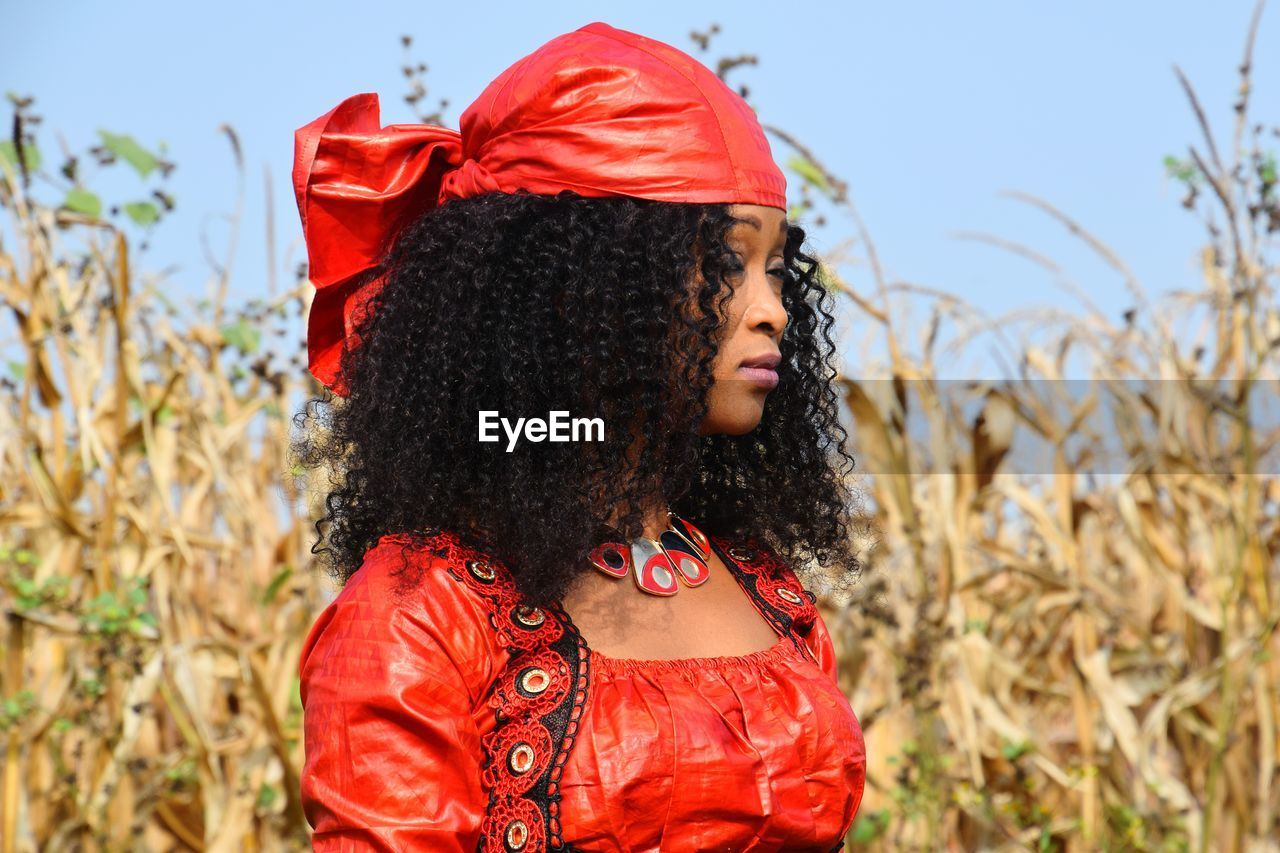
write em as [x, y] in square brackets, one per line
[390, 683]
[819, 640]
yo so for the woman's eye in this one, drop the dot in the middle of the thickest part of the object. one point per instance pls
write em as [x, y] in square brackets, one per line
[736, 267]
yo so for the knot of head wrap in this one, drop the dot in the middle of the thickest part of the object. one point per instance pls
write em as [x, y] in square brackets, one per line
[358, 184]
[599, 110]
[471, 178]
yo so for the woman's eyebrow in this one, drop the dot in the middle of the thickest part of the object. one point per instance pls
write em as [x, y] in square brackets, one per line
[753, 220]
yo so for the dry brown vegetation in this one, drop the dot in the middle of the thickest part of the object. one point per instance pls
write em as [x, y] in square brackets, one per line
[1040, 658]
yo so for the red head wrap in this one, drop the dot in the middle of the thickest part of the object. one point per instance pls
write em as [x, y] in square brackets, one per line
[600, 110]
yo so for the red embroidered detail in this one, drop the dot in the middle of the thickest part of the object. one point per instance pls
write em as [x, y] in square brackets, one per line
[783, 590]
[537, 697]
[516, 624]
[525, 631]
[523, 752]
[570, 729]
[513, 823]
[531, 686]
[772, 583]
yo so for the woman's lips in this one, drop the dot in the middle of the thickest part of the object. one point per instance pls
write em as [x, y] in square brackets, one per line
[762, 377]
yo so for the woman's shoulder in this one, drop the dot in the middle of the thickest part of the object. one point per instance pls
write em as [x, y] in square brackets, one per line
[411, 597]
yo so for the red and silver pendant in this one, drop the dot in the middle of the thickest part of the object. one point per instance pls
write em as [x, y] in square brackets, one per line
[681, 553]
[612, 558]
[653, 570]
[692, 534]
[688, 562]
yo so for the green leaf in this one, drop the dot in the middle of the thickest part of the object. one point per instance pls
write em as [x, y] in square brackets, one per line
[870, 825]
[1013, 751]
[142, 212]
[273, 588]
[18, 370]
[242, 336]
[1181, 170]
[127, 148]
[10, 153]
[809, 172]
[83, 201]
[267, 795]
[1267, 171]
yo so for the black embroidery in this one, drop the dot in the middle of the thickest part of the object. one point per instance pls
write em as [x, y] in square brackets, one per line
[759, 573]
[538, 698]
[565, 721]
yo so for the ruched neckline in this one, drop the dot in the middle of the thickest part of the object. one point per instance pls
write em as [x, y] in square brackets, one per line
[606, 665]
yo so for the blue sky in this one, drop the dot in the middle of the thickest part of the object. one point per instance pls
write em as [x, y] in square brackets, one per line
[928, 109]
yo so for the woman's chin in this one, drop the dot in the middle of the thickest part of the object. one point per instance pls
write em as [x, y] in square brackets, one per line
[738, 420]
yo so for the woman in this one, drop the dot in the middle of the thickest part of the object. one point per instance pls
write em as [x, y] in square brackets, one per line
[572, 645]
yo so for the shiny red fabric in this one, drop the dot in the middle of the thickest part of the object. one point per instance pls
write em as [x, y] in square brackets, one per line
[599, 110]
[758, 752]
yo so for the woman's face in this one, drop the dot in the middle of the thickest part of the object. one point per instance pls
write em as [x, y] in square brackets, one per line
[745, 369]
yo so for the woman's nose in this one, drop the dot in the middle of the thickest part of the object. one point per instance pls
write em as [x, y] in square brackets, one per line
[766, 311]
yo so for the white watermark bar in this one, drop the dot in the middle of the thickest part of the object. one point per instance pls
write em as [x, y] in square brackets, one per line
[1102, 427]
[558, 427]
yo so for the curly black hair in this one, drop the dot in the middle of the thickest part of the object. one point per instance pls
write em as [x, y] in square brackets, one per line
[600, 307]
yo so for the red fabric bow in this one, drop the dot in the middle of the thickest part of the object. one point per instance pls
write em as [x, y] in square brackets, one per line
[600, 110]
[357, 185]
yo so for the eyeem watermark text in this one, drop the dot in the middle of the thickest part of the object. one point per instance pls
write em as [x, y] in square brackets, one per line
[560, 427]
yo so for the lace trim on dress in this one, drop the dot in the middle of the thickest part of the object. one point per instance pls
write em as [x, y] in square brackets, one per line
[771, 584]
[537, 700]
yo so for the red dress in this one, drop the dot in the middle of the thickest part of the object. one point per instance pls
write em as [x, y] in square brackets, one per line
[442, 713]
